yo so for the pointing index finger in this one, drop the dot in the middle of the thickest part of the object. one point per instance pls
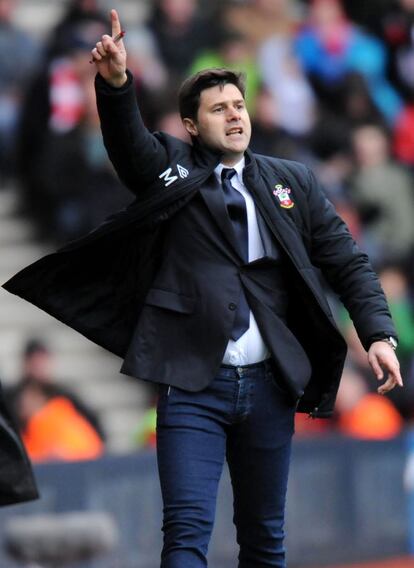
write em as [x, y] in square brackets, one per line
[116, 24]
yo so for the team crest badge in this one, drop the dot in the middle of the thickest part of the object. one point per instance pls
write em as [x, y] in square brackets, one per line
[283, 195]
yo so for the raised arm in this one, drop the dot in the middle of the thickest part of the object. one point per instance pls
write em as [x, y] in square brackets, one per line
[137, 155]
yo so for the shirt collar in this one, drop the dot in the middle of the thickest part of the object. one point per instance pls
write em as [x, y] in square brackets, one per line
[239, 167]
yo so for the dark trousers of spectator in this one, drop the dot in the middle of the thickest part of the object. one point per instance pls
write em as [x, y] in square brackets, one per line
[247, 418]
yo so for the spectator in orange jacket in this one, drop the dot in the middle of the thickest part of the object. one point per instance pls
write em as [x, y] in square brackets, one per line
[54, 429]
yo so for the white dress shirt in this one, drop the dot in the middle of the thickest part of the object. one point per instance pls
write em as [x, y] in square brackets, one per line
[250, 347]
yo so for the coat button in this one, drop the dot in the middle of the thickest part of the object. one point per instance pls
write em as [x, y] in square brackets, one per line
[232, 306]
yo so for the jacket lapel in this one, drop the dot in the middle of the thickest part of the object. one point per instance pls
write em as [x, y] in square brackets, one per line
[213, 197]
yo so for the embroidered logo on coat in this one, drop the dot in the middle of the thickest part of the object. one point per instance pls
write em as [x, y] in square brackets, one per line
[182, 171]
[169, 179]
[282, 193]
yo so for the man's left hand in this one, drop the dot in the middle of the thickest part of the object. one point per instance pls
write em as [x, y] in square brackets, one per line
[381, 357]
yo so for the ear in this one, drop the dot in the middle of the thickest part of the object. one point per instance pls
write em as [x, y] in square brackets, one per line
[190, 126]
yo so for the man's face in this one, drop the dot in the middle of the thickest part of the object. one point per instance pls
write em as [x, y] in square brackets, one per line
[222, 122]
[39, 367]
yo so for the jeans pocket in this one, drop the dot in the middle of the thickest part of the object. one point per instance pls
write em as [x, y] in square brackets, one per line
[280, 386]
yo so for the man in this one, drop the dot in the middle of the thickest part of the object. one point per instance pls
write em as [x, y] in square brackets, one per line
[206, 285]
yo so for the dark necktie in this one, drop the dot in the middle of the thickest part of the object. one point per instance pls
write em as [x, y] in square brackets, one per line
[236, 208]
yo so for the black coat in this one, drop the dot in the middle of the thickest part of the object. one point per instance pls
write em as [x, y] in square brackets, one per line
[17, 483]
[98, 284]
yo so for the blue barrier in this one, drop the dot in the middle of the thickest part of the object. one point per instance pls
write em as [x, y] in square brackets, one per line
[409, 485]
[346, 503]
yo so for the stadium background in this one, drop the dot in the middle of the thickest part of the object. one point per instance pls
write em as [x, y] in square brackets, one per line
[330, 84]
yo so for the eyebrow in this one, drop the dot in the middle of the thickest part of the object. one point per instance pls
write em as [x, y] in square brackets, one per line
[235, 101]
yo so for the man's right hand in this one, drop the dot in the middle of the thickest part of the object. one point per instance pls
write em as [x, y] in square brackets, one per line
[110, 57]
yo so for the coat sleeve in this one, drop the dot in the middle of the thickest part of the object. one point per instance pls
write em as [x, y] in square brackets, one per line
[346, 268]
[137, 155]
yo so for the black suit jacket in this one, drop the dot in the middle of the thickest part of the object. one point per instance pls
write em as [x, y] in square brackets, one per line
[188, 314]
[103, 284]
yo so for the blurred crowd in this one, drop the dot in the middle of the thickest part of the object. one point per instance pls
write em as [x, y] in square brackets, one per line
[329, 83]
[55, 423]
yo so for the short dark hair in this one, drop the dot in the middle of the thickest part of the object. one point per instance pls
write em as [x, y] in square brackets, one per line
[190, 90]
[35, 345]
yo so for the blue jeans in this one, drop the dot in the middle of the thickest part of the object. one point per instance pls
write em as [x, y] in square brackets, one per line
[245, 416]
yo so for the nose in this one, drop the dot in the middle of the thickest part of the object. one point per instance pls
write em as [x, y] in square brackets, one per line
[233, 114]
